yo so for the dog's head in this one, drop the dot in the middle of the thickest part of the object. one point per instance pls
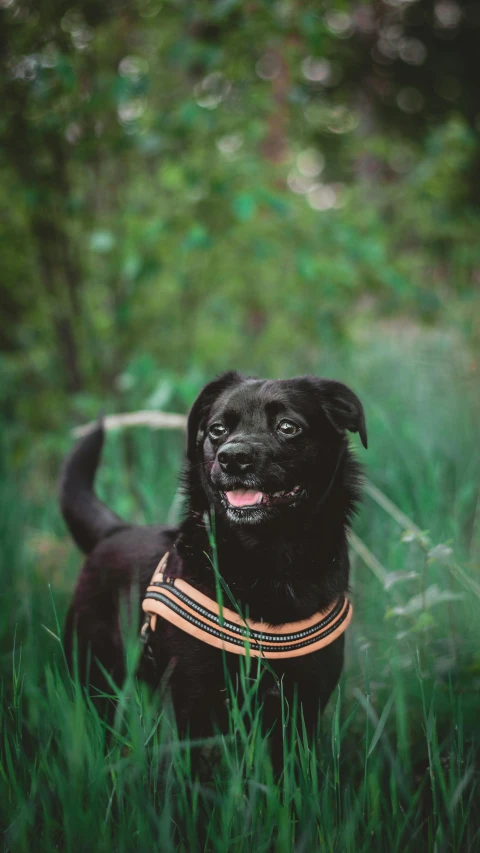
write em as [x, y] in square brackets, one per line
[262, 448]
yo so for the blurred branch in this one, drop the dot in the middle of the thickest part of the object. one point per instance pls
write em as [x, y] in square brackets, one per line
[368, 558]
[404, 521]
[390, 508]
[154, 420]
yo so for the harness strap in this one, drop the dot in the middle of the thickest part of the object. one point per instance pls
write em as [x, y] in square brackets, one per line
[179, 603]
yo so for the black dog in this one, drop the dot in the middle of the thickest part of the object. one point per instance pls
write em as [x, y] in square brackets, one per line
[270, 462]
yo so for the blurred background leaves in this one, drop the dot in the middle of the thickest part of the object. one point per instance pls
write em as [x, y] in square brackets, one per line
[186, 187]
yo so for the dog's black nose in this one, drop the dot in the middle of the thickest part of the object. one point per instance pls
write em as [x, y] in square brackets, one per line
[235, 458]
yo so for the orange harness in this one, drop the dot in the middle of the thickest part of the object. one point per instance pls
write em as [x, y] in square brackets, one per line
[200, 616]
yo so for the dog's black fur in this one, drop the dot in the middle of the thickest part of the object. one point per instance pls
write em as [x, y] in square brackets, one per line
[283, 560]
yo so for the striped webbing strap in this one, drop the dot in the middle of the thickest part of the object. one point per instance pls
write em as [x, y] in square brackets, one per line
[179, 603]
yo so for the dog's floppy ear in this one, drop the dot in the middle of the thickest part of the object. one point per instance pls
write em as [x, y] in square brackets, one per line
[201, 407]
[342, 407]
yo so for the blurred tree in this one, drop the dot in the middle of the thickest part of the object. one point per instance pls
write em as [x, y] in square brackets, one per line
[224, 183]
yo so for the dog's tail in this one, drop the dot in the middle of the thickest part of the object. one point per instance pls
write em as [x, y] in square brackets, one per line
[88, 519]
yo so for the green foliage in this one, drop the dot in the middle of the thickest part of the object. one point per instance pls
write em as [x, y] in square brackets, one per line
[200, 185]
[276, 188]
[395, 763]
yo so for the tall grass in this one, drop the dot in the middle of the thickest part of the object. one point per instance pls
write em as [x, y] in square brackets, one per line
[394, 767]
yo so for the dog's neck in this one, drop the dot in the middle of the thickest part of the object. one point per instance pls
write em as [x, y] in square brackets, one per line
[278, 571]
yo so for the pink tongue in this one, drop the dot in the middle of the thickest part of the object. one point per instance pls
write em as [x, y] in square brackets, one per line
[243, 497]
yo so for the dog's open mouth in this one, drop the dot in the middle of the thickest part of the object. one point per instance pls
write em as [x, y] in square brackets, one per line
[248, 498]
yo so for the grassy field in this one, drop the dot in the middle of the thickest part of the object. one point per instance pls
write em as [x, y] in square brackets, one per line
[395, 767]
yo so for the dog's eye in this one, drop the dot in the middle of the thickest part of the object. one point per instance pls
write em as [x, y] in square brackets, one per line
[216, 431]
[288, 428]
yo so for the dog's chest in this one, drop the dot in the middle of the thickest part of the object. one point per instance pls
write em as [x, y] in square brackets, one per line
[196, 672]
